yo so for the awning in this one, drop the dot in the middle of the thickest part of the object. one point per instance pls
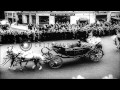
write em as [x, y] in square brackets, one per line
[116, 18]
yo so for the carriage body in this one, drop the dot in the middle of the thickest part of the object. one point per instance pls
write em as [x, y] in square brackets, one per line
[83, 50]
[87, 50]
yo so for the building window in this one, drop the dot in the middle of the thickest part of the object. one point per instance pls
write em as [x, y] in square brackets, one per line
[83, 22]
[62, 19]
[9, 14]
[6, 14]
[43, 19]
[102, 18]
[13, 14]
[14, 20]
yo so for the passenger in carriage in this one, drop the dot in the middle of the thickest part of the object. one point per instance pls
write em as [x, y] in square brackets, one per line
[75, 45]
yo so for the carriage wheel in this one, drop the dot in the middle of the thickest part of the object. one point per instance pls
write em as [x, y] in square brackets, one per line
[48, 56]
[56, 62]
[96, 56]
[46, 53]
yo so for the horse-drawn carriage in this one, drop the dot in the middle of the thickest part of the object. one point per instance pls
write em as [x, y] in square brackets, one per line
[89, 50]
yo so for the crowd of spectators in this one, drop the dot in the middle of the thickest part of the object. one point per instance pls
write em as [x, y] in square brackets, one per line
[58, 31]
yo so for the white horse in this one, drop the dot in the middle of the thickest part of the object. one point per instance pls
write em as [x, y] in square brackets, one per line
[28, 56]
[38, 58]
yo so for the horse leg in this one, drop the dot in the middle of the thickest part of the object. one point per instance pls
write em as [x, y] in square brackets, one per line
[21, 66]
[26, 64]
[40, 68]
[35, 64]
[11, 64]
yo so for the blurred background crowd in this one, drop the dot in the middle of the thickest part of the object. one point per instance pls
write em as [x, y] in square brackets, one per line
[57, 31]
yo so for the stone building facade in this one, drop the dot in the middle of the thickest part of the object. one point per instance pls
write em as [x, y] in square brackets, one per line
[51, 17]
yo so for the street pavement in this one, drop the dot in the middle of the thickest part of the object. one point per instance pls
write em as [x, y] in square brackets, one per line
[109, 64]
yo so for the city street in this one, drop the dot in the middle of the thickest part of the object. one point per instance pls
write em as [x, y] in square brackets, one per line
[110, 64]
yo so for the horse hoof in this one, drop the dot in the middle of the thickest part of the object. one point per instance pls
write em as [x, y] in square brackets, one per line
[40, 68]
[33, 67]
[14, 69]
[21, 69]
[9, 68]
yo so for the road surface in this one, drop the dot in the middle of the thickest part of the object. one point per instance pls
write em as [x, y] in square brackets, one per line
[110, 64]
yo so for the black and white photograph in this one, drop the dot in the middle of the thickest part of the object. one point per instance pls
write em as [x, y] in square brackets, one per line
[59, 44]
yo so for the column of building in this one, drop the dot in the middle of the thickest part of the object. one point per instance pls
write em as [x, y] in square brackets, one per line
[108, 16]
[37, 19]
[51, 19]
[30, 18]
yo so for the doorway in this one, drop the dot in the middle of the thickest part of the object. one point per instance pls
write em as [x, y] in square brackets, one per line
[20, 19]
[10, 20]
[82, 22]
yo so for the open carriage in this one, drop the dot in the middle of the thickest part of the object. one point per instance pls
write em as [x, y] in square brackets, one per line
[90, 51]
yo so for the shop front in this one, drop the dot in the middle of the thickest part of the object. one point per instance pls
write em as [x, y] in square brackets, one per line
[43, 19]
[83, 21]
[115, 17]
[62, 17]
[115, 20]
[101, 18]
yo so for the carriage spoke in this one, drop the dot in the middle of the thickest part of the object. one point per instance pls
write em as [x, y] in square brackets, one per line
[97, 56]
